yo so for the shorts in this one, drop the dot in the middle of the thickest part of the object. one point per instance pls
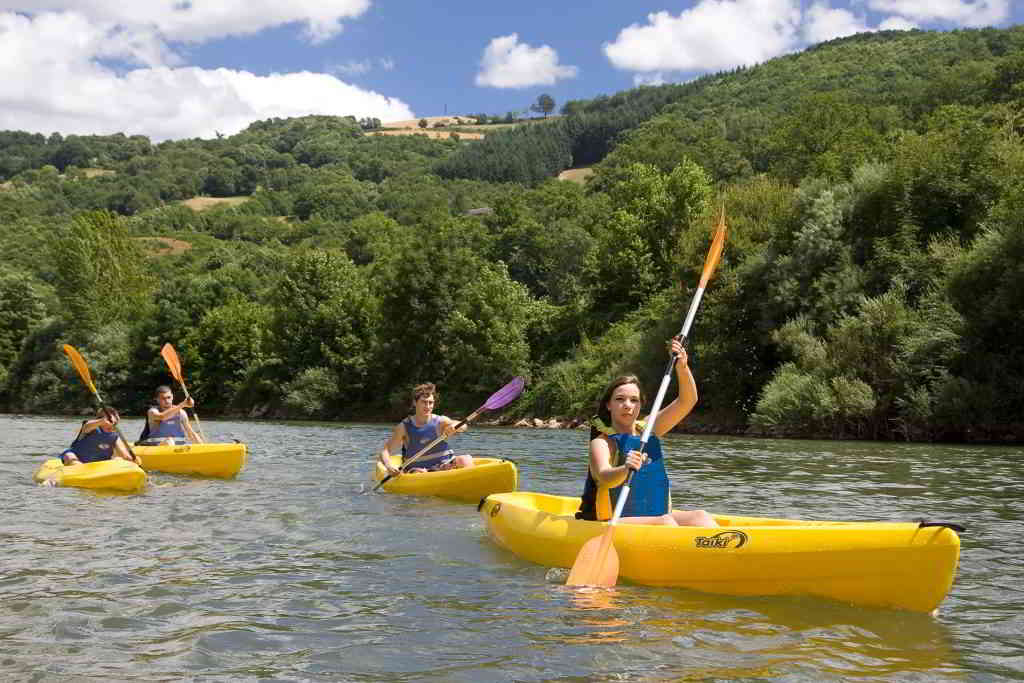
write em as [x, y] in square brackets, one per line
[68, 451]
[160, 441]
[435, 463]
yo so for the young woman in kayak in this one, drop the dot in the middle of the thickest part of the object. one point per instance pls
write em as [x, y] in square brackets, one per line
[614, 448]
[413, 433]
[97, 440]
[167, 422]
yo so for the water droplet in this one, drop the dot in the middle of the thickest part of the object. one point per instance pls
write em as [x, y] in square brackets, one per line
[557, 575]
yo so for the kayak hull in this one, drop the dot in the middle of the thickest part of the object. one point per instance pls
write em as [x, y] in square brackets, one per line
[113, 475]
[223, 460]
[898, 565]
[466, 484]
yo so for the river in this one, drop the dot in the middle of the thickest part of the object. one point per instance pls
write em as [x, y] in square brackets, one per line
[293, 572]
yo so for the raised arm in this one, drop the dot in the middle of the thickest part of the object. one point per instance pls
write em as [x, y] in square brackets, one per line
[674, 412]
[161, 415]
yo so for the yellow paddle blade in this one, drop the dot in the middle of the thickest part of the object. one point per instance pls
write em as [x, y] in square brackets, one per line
[715, 253]
[80, 365]
[597, 563]
[171, 357]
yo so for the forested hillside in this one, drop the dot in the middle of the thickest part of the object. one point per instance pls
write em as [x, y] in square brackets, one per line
[872, 285]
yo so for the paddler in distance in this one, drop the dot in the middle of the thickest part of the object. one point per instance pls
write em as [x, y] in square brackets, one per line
[97, 440]
[413, 434]
[167, 422]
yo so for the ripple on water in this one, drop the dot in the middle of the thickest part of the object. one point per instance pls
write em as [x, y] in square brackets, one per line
[290, 573]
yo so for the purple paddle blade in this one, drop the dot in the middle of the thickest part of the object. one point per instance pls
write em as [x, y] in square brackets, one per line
[505, 395]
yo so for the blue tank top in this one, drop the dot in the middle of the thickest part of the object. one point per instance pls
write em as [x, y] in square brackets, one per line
[172, 427]
[649, 492]
[95, 446]
[418, 437]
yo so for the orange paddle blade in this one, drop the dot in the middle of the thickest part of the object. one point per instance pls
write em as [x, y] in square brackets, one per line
[597, 563]
[80, 365]
[715, 253]
[171, 357]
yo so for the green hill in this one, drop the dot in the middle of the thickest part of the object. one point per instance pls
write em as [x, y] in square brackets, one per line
[871, 285]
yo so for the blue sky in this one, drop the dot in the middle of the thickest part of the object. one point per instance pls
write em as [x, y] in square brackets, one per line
[180, 68]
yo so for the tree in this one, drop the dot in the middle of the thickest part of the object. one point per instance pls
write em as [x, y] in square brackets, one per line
[423, 123]
[324, 315]
[21, 310]
[451, 317]
[101, 275]
[545, 104]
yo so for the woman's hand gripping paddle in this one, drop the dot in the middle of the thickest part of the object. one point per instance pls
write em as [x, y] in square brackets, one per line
[499, 399]
[597, 563]
[174, 365]
[83, 371]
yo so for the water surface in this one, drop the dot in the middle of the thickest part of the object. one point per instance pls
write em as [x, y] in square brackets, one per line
[292, 572]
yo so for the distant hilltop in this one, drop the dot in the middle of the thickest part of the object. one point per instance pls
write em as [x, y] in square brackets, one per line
[432, 121]
[434, 128]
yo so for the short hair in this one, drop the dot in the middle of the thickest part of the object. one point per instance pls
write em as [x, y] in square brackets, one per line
[161, 389]
[423, 390]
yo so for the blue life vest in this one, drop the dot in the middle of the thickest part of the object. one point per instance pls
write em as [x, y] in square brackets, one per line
[95, 446]
[649, 491]
[172, 427]
[418, 437]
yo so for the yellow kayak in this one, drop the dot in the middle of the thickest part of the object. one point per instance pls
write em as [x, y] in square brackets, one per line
[902, 565]
[223, 460]
[114, 474]
[467, 484]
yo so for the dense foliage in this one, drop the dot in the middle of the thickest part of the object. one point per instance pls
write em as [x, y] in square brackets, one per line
[872, 284]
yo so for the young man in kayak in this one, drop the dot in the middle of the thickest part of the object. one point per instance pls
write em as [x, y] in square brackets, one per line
[412, 435]
[615, 431]
[97, 440]
[167, 422]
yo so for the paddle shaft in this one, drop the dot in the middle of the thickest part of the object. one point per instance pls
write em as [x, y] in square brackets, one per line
[597, 561]
[174, 364]
[656, 408]
[194, 413]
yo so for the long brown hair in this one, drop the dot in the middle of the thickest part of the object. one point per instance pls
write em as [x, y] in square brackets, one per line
[602, 406]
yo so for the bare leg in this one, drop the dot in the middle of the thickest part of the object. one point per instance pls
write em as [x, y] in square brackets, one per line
[693, 518]
[666, 520]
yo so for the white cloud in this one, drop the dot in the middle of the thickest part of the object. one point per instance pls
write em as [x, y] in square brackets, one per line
[200, 20]
[722, 34]
[55, 76]
[507, 63]
[969, 13]
[714, 34]
[822, 22]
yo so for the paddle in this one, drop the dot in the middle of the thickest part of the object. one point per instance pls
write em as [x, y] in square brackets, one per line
[597, 563]
[83, 371]
[498, 399]
[174, 364]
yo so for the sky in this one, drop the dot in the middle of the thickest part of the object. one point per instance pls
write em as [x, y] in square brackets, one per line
[172, 69]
